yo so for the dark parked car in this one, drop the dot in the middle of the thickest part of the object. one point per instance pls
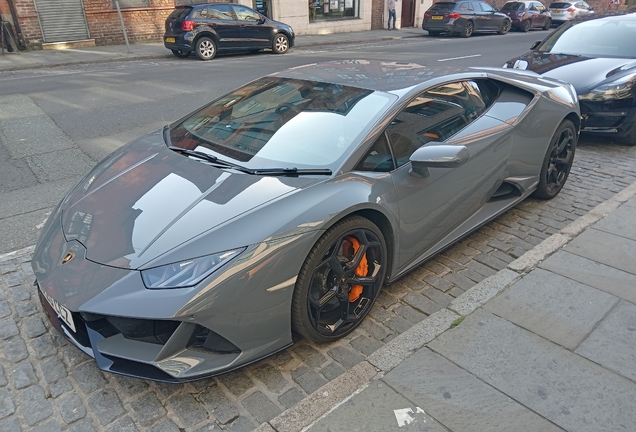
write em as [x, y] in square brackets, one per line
[598, 56]
[285, 206]
[464, 18]
[211, 27]
[568, 10]
[526, 15]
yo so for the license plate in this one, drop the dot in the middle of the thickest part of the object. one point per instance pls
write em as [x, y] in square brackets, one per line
[170, 40]
[557, 11]
[61, 311]
[437, 17]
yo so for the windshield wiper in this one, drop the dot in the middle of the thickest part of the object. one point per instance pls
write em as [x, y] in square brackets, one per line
[293, 172]
[194, 153]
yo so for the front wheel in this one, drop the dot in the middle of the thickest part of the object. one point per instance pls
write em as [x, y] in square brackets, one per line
[557, 162]
[505, 27]
[206, 48]
[468, 29]
[526, 26]
[548, 24]
[181, 54]
[339, 281]
[281, 44]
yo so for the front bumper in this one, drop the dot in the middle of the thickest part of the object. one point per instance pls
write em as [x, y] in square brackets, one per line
[616, 118]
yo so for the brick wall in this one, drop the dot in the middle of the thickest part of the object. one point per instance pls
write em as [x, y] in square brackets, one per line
[28, 19]
[377, 14]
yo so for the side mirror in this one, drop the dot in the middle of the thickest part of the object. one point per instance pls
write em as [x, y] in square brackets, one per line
[535, 45]
[437, 155]
[261, 20]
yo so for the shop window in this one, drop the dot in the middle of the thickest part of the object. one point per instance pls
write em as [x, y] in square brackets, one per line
[321, 10]
[125, 4]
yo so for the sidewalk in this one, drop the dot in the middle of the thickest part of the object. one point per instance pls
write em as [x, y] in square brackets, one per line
[109, 53]
[546, 344]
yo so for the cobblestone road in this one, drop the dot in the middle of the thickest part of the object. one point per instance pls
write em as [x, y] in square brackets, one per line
[46, 384]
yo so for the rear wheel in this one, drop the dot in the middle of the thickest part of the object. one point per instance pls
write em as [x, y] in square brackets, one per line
[557, 162]
[468, 29]
[181, 54]
[280, 44]
[526, 26]
[339, 281]
[505, 27]
[548, 24]
[205, 48]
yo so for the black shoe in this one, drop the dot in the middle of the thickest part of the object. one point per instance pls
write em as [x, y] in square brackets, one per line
[389, 28]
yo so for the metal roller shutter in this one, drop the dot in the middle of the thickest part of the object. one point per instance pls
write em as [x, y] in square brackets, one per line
[62, 20]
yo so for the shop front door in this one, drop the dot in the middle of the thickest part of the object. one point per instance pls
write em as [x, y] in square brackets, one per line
[408, 13]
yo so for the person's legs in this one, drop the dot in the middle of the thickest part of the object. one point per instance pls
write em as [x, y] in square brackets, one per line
[391, 14]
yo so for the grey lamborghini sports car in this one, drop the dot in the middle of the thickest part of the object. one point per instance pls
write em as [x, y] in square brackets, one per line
[285, 205]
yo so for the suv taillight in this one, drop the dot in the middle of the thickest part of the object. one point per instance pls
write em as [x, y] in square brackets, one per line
[188, 25]
[453, 15]
[427, 16]
[571, 9]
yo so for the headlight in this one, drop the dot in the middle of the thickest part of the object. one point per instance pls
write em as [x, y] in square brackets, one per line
[186, 273]
[622, 88]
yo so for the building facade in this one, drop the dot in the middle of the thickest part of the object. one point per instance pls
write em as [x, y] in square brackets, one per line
[39, 23]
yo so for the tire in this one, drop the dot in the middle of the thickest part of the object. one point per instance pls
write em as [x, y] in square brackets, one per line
[526, 26]
[630, 138]
[548, 24]
[557, 162]
[468, 29]
[205, 48]
[327, 303]
[433, 33]
[505, 27]
[280, 44]
[181, 54]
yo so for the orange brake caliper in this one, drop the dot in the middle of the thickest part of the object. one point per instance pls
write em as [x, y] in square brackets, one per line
[362, 270]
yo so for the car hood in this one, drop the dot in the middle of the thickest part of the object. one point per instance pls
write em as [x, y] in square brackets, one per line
[584, 73]
[145, 200]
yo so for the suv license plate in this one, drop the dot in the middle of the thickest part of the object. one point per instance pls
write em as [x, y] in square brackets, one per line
[170, 40]
[61, 311]
[438, 17]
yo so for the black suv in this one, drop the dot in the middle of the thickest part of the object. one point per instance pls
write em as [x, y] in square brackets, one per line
[211, 27]
[464, 18]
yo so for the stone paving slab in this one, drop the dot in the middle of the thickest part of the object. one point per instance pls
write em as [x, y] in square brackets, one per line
[613, 343]
[609, 249]
[458, 400]
[568, 390]
[555, 307]
[620, 222]
[601, 276]
[377, 408]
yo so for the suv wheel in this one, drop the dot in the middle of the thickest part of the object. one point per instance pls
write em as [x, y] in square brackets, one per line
[468, 29]
[205, 48]
[526, 26]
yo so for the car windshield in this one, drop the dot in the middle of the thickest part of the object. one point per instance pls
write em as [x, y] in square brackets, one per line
[560, 5]
[608, 37]
[513, 6]
[442, 7]
[280, 122]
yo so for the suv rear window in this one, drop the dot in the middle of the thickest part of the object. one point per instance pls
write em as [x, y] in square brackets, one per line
[560, 5]
[513, 6]
[180, 13]
[443, 6]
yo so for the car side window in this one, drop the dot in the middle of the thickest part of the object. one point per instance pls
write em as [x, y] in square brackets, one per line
[200, 13]
[487, 8]
[465, 6]
[435, 115]
[246, 14]
[220, 12]
[378, 158]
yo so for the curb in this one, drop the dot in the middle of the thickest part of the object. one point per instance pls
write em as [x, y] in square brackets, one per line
[331, 395]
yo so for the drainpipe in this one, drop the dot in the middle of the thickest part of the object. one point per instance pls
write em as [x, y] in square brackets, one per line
[16, 24]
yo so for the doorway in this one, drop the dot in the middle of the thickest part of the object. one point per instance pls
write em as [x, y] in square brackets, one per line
[408, 13]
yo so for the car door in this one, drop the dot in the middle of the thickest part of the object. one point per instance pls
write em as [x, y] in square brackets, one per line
[491, 20]
[540, 16]
[255, 33]
[220, 19]
[431, 207]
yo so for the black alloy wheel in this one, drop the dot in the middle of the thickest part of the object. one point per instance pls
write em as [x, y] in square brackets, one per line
[339, 281]
[557, 162]
[181, 54]
[280, 44]
[468, 29]
[505, 27]
[205, 48]
[526, 25]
